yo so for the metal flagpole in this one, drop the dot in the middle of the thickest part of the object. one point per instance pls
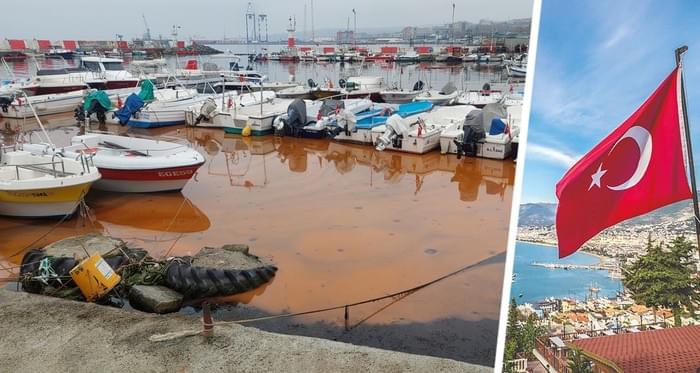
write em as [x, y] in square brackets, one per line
[688, 144]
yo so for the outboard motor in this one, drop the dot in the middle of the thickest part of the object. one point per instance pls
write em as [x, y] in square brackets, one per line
[312, 83]
[346, 122]
[473, 132]
[418, 86]
[207, 111]
[294, 121]
[5, 102]
[396, 130]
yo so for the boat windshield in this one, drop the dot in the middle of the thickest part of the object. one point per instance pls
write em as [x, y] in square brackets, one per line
[92, 66]
[44, 72]
[113, 66]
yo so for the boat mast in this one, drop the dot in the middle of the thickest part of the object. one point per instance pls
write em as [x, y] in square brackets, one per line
[313, 36]
[453, 24]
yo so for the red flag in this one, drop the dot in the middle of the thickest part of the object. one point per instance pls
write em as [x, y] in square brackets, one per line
[637, 168]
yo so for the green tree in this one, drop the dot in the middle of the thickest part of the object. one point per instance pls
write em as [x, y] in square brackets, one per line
[665, 277]
[520, 336]
[578, 362]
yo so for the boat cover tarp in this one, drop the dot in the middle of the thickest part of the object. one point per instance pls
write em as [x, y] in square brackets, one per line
[403, 110]
[491, 111]
[448, 89]
[100, 96]
[330, 106]
[132, 104]
[146, 92]
[497, 127]
[296, 113]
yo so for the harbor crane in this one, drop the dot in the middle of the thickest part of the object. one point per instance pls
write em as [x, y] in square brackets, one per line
[147, 34]
[250, 17]
[262, 18]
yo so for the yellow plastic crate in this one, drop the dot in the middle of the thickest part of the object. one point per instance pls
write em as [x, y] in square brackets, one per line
[94, 277]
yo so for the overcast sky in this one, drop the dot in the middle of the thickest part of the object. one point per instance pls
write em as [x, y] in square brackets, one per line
[89, 19]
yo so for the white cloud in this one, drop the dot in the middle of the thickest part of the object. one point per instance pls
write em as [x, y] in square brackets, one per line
[551, 154]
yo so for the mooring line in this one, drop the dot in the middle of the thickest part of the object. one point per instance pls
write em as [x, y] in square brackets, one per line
[400, 294]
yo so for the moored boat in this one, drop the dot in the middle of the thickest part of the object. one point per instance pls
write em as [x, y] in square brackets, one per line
[132, 164]
[359, 130]
[446, 96]
[423, 135]
[34, 185]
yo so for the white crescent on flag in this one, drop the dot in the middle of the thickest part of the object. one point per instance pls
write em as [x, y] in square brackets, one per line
[643, 139]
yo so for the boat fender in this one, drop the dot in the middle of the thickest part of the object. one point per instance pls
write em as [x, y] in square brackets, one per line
[246, 130]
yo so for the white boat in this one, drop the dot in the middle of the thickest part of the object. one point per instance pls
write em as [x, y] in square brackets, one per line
[516, 71]
[131, 164]
[33, 185]
[401, 96]
[168, 109]
[497, 146]
[93, 72]
[409, 56]
[314, 119]
[362, 87]
[247, 112]
[479, 98]
[56, 103]
[359, 128]
[446, 96]
[422, 136]
[297, 91]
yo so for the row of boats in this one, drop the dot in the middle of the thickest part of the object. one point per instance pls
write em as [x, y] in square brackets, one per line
[41, 179]
[450, 54]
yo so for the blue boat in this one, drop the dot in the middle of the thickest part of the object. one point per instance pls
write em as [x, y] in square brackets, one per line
[376, 117]
[368, 119]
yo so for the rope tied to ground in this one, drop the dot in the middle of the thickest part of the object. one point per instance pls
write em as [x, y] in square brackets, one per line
[397, 296]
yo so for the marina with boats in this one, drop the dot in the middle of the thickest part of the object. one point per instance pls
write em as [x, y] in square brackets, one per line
[342, 164]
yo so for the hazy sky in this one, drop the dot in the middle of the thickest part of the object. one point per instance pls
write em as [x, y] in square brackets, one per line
[89, 19]
[594, 69]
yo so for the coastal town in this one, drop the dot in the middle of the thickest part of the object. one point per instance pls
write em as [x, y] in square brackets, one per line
[568, 322]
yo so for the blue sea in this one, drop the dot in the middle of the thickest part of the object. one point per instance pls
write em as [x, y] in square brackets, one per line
[538, 283]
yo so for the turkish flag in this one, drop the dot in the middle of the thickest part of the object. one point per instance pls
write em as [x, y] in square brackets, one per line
[637, 168]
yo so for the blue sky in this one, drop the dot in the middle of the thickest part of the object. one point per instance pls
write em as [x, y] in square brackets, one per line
[596, 63]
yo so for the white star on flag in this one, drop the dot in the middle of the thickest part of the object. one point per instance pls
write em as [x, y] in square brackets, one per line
[596, 177]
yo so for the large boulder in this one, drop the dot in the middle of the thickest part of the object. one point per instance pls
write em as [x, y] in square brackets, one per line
[76, 246]
[155, 299]
[230, 257]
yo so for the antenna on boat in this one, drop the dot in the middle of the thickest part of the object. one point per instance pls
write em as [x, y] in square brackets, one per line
[41, 125]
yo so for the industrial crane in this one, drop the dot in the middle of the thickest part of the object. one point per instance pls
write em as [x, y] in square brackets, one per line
[147, 34]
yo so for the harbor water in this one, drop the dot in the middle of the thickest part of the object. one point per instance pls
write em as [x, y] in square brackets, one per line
[434, 75]
[535, 283]
[343, 223]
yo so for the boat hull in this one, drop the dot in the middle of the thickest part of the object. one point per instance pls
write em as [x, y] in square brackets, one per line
[484, 149]
[42, 202]
[146, 180]
[54, 89]
[155, 119]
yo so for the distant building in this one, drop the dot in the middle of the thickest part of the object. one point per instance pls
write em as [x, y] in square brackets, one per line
[345, 37]
[661, 351]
